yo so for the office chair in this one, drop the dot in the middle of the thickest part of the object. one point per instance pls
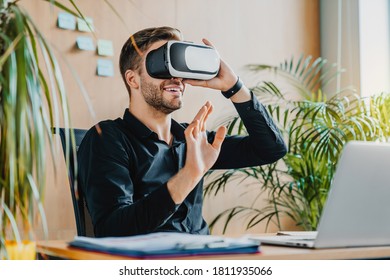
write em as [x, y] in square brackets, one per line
[83, 219]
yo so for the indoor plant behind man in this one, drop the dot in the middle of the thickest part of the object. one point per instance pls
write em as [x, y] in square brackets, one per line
[144, 172]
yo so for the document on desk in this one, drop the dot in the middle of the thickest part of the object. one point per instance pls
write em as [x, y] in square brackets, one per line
[167, 244]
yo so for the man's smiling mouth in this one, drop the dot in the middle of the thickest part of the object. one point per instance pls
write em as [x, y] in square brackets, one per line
[174, 89]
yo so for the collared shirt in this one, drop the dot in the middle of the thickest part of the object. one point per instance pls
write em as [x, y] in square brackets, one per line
[124, 170]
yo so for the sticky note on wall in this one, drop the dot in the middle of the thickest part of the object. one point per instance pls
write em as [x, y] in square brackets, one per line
[105, 68]
[66, 21]
[105, 48]
[85, 25]
[85, 43]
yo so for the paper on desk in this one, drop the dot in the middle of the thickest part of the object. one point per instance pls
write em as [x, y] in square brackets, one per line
[167, 243]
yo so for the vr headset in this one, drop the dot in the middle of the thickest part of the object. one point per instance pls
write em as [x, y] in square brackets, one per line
[183, 60]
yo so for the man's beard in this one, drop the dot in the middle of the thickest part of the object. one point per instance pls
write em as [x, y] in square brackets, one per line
[153, 95]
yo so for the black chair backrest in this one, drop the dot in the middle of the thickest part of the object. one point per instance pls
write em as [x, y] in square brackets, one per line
[83, 219]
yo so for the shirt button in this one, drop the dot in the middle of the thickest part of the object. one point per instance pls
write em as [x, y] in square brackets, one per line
[248, 108]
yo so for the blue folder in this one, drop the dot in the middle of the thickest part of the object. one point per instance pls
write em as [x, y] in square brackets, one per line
[167, 244]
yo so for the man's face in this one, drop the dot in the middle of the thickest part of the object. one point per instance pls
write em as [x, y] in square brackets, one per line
[163, 95]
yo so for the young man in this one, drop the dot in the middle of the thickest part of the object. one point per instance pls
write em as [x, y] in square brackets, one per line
[144, 173]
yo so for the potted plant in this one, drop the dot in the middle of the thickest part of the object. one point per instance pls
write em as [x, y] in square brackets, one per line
[32, 100]
[315, 128]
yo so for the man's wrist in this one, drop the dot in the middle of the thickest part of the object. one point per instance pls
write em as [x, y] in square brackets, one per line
[192, 174]
[180, 185]
[234, 89]
[243, 95]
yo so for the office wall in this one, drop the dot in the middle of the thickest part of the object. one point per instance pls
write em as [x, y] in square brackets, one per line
[249, 31]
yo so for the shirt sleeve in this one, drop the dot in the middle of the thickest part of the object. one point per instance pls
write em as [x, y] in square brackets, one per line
[104, 177]
[264, 143]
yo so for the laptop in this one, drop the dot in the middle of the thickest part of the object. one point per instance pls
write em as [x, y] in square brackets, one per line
[357, 210]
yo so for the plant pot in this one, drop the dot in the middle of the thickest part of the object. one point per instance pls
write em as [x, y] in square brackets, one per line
[21, 251]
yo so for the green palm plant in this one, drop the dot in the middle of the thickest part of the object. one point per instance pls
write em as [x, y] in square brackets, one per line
[315, 129]
[380, 108]
[32, 101]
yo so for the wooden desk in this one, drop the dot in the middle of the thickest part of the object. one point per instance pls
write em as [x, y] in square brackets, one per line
[60, 249]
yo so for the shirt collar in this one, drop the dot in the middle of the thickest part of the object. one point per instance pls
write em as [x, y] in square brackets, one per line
[142, 131]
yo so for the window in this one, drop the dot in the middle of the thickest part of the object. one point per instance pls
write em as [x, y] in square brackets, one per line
[355, 34]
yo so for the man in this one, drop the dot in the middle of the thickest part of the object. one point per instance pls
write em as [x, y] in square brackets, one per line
[144, 173]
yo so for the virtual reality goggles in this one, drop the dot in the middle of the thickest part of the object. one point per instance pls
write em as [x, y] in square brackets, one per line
[183, 60]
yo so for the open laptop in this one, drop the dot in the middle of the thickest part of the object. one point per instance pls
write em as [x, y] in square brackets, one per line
[357, 210]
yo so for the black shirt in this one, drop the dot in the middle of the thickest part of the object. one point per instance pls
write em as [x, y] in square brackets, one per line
[124, 170]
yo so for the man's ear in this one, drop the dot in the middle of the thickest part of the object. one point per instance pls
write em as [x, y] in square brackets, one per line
[132, 79]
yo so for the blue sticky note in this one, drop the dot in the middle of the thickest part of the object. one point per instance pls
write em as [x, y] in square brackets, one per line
[85, 43]
[105, 48]
[105, 68]
[85, 25]
[66, 21]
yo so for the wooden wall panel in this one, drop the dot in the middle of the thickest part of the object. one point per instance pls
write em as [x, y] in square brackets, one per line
[251, 31]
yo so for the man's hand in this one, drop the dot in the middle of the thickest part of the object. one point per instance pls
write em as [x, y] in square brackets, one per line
[225, 80]
[201, 155]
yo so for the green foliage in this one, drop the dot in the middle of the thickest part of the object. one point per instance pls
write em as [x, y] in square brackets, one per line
[315, 129]
[32, 101]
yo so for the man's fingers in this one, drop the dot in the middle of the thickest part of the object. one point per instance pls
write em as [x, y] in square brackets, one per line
[189, 132]
[202, 112]
[219, 137]
[196, 83]
[192, 131]
[206, 116]
[203, 115]
[207, 42]
[195, 132]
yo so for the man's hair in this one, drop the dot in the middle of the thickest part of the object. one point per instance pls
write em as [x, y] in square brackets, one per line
[138, 43]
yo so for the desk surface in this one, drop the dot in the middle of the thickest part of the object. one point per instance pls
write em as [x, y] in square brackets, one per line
[60, 249]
